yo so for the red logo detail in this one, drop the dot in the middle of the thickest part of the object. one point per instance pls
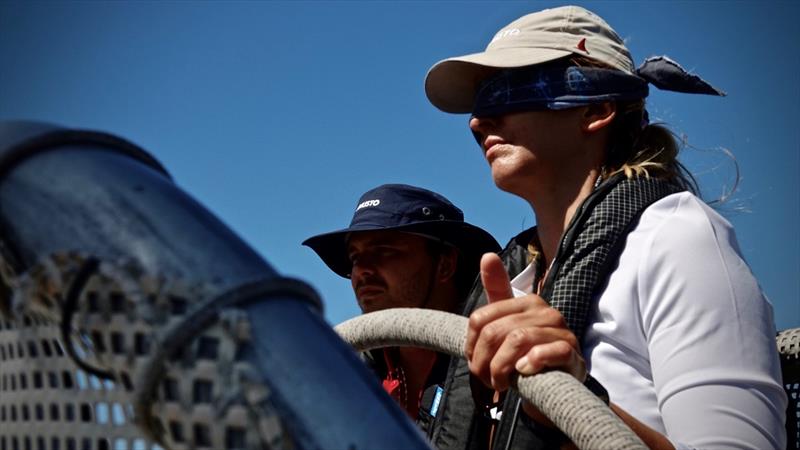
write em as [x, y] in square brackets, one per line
[582, 45]
[390, 386]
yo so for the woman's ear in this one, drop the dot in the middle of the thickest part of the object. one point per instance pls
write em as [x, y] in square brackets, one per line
[598, 116]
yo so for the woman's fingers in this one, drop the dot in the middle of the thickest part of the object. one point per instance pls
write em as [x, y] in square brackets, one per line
[516, 334]
[498, 288]
[489, 339]
[495, 279]
[489, 324]
[558, 354]
[517, 344]
[502, 304]
[494, 321]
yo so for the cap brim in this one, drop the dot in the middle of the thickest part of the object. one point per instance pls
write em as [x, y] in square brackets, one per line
[451, 84]
[471, 241]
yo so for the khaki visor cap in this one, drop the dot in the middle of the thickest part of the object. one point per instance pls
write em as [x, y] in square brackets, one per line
[533, 39]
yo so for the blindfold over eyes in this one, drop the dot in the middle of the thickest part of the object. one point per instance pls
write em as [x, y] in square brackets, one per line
[562, 86]
[542, 88]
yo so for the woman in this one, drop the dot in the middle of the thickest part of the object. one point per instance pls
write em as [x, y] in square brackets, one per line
[627, 276]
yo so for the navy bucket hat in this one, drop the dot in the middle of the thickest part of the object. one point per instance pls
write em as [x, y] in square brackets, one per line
[410, 209]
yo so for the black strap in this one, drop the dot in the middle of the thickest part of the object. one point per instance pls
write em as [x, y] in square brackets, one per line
[593, 242]
[432, 395]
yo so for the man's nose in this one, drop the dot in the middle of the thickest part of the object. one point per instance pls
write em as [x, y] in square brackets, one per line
[361, 269]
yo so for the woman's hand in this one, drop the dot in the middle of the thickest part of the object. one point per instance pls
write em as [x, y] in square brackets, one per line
[527, 335]
[522, 334]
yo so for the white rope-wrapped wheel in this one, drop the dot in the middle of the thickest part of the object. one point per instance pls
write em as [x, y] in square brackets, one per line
[588, 422]
[789, 343]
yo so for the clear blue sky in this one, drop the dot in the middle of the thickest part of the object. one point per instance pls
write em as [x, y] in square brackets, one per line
[278, 115]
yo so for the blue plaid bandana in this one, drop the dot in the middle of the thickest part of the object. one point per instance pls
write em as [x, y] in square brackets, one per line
[538, 88]
[561, 86]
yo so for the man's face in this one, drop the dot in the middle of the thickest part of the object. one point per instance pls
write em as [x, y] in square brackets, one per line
[391, 269]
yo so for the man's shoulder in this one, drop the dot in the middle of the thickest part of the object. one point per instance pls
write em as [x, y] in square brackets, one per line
[515, 258]
[521, 240]
[515, 254]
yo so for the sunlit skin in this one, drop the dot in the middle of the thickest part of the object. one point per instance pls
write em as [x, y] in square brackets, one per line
[529, 146]
[551, 159]
[546, 158]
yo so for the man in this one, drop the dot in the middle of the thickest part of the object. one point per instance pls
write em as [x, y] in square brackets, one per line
[408, 247]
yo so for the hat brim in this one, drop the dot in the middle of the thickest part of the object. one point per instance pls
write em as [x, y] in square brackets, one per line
[471, 241]
[451, 84]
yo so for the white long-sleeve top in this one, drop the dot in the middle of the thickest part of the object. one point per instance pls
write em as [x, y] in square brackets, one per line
[682, 336]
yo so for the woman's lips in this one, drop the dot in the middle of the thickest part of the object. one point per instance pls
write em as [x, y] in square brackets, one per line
[490, 146]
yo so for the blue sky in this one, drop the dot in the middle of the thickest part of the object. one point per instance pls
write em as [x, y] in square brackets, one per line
[278, 115]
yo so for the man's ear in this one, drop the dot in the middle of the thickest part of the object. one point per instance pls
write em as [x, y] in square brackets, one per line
[448, 262]
[598, 116]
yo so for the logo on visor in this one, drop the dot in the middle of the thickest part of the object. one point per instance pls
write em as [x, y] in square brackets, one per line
[368, 203]
[582, 45]
[504, 34]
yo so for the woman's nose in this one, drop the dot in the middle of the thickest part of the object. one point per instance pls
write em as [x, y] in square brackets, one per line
[476, 123]
[479, 127]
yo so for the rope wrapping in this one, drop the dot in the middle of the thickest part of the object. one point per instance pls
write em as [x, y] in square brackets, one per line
[588, 422]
